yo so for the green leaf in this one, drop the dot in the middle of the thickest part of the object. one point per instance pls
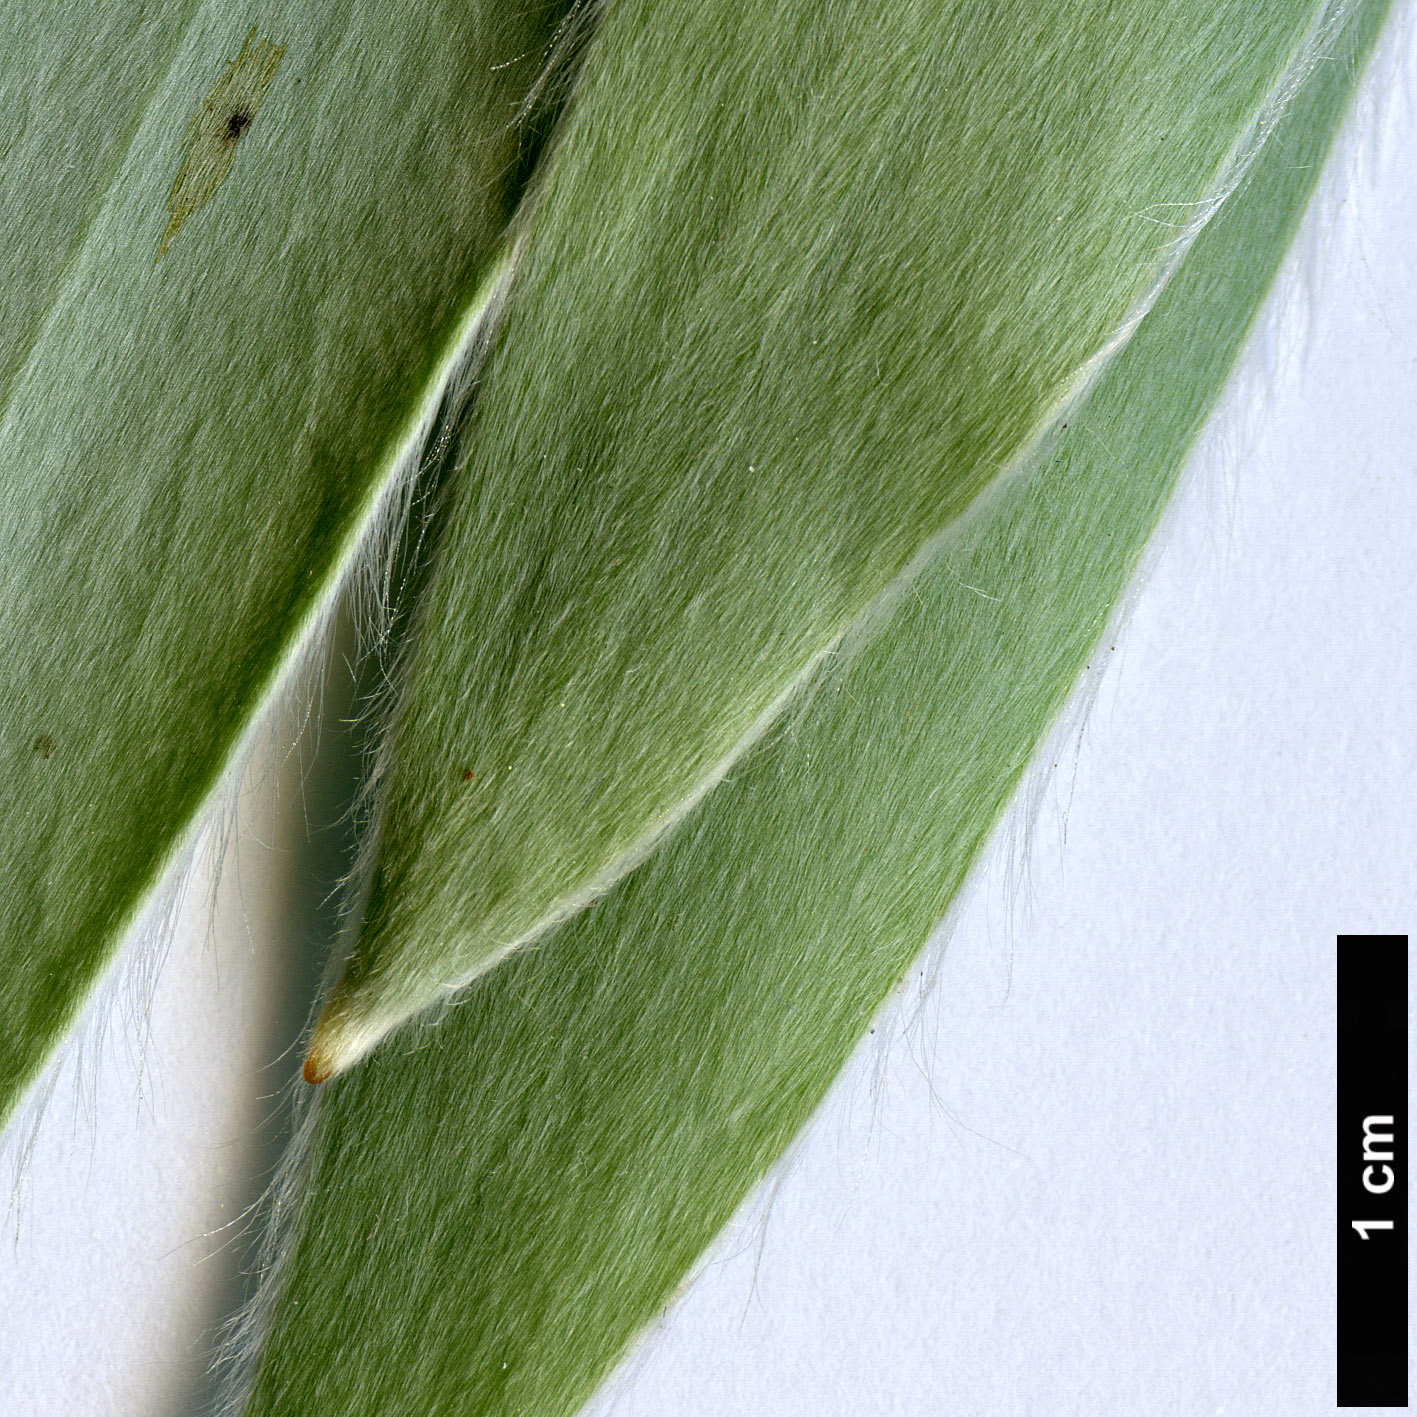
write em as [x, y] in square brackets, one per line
[796, 293]
[242, 244]
[550, 1160]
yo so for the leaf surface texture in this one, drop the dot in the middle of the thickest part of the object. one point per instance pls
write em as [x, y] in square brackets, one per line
[192, 446]
[488, 1215]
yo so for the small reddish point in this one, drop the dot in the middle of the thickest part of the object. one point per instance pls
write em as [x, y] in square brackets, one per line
[313, 1075]
[468, 775]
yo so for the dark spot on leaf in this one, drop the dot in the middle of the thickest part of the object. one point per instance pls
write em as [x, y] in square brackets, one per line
[45, 744]
[219, 124]
[468, 775]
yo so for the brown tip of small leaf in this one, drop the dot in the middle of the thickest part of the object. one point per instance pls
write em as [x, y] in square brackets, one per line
[343, 1036]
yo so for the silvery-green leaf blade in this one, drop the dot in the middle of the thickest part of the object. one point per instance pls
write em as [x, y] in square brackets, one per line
[241, 244]
[801, 292]
[486, 1219]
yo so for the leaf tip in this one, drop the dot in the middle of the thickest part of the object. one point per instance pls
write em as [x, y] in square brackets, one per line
[341, 1039]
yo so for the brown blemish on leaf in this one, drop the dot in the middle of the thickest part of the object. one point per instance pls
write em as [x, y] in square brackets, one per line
[218, 127]
[45, 744]
[237, 124]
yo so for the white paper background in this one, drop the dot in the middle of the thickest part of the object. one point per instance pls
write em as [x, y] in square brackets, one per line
[1091, 1171]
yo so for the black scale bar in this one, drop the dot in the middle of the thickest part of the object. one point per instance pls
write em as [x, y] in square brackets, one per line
[1372, 1170]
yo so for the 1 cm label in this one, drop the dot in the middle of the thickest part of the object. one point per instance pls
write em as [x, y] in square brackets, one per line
[1378, 1177]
